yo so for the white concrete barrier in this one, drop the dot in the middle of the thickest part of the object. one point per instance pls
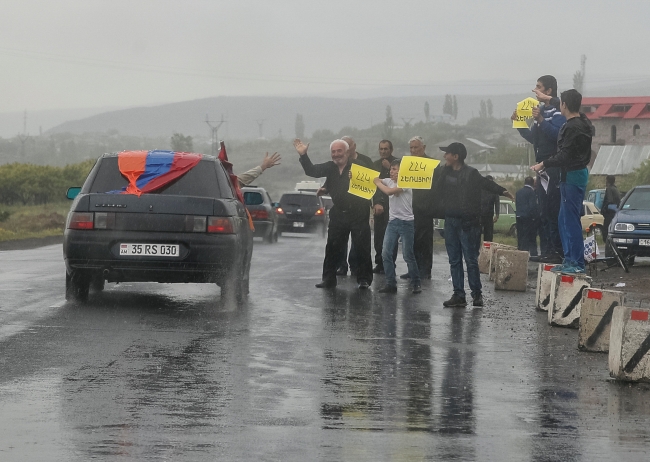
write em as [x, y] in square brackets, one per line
[566, 298]
[596, 318]
[493, 260]
[484, 258]
[629, 344]
[543, 291]
[511, 271]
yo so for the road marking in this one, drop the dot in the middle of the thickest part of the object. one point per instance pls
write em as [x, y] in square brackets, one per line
[58, 304]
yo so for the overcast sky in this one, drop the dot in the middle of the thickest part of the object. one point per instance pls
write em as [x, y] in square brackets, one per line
[97, 53]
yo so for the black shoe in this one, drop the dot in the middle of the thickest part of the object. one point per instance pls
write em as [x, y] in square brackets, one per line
[535, 258]
[341, 272]
[478, 300]
[388, 290]
[554, 259]
[454, 301]
[326, 285]
[417, 289]
[378, 269]
[405, 276]
[426, 276]
[363, 285]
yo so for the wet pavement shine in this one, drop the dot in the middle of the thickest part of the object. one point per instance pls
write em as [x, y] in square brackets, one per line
[171, 372]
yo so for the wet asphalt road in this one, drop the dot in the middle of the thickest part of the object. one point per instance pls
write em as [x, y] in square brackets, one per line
[169, 372]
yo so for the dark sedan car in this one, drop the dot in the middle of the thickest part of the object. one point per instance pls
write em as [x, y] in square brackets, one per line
[260, 206]
[630, 227]
[175, 219]
[302, 212]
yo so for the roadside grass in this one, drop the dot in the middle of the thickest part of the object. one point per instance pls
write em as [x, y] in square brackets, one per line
[32, 221]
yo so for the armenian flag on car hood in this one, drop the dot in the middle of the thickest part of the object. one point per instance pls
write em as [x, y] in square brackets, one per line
[151, 170]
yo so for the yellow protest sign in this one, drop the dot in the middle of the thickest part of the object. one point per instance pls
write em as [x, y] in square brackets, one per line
[361, 182]
[524, 112]
[416, 172]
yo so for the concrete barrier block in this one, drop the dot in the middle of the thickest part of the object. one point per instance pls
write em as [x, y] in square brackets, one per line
[543, 291]
[629, 344]
[493, 260]
[596, 313]
[566, 299]
[484, 258]
[511, 271]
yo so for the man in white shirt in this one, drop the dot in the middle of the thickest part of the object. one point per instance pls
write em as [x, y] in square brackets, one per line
[400, 224]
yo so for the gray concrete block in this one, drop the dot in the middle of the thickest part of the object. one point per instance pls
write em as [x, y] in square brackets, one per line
[566, 299]
[493, 260]
[511, 271]
[629, 344]
[596, 314]
[543, 291]
[484, 258]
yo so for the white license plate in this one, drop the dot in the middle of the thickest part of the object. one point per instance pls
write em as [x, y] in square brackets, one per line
[298, 224]
[644, 241]
[150, 250]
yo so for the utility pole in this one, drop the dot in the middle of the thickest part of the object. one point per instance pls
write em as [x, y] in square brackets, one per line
[260, 124]
[24, 136]
[214, 130]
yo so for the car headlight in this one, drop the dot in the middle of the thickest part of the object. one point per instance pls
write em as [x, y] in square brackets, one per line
[624, 227]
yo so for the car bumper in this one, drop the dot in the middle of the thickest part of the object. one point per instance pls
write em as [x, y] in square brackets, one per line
[263, 228]
[631, 244]
[288, 226]
[202, 257]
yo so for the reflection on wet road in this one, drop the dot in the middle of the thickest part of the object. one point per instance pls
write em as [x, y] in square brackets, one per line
[170, 372]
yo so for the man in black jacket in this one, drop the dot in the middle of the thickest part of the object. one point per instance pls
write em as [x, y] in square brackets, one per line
[489, 213]
[348, 216]
[459, 188]
[573, 155]
[612, 197]
[380, 203]
[527, 215]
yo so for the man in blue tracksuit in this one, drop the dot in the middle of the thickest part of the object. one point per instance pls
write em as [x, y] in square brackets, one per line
[543, 135]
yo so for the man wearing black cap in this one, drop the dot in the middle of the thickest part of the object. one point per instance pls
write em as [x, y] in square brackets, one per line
[457, 190]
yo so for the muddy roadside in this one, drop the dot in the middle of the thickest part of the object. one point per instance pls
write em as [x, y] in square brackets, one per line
[30, 243]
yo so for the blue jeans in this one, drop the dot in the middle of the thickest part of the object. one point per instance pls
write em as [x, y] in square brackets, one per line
[394, 230]
[570, 226]
[463, 243]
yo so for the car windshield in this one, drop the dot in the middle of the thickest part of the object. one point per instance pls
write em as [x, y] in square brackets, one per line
[253, 198]
[638, 200]
[304, 200]
[204, 180]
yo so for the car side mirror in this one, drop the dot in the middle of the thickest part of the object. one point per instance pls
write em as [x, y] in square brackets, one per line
[612, 208]
[73, 192]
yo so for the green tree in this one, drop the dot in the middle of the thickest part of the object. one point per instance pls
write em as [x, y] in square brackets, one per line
[454, 108]
[181, 143]
[389, 123]
[489, 107]
[448, 106]
[482, 113]
[300, 126]
[426, 111]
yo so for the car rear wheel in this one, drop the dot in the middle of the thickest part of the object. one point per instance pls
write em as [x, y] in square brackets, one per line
[513, 231]
[77, 286]
[235, 286]
[97, 283]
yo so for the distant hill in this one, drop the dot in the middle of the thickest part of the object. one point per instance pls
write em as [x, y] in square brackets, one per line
[277, 113]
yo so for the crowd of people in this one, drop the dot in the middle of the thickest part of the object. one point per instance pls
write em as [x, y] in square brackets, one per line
[468, 202]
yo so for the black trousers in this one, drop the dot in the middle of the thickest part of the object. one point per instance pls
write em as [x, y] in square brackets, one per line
[423, 243]
[342, 225]
[487, 228]
[381, 222]
[527, 235]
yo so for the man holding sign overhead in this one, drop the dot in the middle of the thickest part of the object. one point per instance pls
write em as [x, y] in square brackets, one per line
[350, 213]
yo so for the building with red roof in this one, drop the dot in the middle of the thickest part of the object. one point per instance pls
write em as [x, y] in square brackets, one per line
[619, 120]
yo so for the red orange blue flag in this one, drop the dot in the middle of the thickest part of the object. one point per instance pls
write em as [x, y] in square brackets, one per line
[148, 171]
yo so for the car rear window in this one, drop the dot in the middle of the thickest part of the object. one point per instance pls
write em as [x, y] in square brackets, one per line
[253, 198]
[638, 200]
[204, 180]
[304, 200]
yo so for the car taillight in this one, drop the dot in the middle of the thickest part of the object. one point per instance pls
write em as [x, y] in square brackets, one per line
[195, 224]
[104, 220]
[80, 220]
[279, 210]
[221, 225]
[319, 212]
[259, 214]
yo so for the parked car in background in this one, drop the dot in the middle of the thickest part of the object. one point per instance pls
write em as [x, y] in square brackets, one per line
[591, 219]
[302, 212]
[506, 224]
[153, 229]
[262, 210]
[630, 227]
[596, 196]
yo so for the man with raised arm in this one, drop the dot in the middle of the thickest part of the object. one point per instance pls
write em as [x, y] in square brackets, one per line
[348, 216]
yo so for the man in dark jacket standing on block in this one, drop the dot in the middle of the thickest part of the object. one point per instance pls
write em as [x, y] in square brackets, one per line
[490, 205]
[573, 155]
[349, 215]
[460, 187]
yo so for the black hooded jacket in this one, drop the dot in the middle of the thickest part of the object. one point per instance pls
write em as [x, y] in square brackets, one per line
[573, 146]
